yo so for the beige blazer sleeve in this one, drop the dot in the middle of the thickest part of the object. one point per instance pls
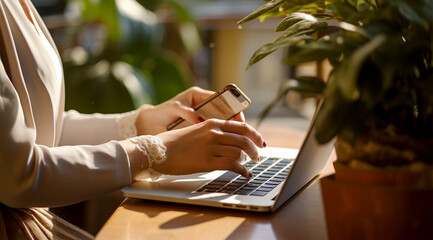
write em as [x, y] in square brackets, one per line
[90, 129]
[34, 170]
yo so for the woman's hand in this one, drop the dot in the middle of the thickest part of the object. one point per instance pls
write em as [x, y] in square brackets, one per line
[153, 120]
[211, 145]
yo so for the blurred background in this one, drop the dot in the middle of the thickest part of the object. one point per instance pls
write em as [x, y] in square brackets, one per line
[119, 54]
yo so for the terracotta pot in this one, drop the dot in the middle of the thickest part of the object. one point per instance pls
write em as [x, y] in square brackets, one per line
[373, 204]
[420, 178]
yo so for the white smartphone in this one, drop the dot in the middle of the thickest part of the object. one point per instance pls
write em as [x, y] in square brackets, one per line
[224, 104]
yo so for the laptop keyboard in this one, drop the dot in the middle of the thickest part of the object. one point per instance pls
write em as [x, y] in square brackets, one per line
[268, 174]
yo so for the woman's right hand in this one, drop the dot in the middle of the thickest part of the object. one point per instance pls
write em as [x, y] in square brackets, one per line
[210, 145]
[155, 119]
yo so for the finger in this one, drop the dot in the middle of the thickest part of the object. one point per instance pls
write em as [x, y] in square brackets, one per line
[241, 142]
[230, 152]
[198, 95]
[244, 129]
[184, 112]
[193, 96]
[240, 117]
[230, 165]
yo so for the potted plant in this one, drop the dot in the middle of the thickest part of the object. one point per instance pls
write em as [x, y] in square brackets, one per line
[377, 102]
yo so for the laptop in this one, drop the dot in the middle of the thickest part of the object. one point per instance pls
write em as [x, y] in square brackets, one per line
[278, 176]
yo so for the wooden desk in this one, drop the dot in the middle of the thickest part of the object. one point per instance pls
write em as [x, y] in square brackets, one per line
[302, 217]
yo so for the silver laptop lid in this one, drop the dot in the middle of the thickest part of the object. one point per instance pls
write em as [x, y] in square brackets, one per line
[311, 159]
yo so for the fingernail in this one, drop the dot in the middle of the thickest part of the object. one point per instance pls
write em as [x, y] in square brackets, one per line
[250, 175]
[264, 144]
[199, 120]
[258, 159]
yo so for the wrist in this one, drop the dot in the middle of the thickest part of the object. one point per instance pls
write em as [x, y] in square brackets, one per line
[141, 130]
[153, 149]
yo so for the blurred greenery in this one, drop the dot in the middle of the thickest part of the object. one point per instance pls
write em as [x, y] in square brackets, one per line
[119, 54]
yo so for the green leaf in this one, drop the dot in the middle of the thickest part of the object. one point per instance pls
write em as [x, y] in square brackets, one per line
[261, 10]
[348, 71]
[296, 18]
[272, 47]
[306, 26]
[314, 51]
[308, 86]
[301, 24]
[353, 28]
[324, 16]
[346, 11]
[289, 7]
[330, 118]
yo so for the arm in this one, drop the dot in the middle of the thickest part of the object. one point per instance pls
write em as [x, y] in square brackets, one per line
[89, 128]
[36, 175]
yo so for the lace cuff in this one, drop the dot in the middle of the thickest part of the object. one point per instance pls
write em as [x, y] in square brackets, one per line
[126, 122]
[153, 148]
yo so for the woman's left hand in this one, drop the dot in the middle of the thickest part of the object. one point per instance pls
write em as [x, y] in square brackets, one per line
[153, 120]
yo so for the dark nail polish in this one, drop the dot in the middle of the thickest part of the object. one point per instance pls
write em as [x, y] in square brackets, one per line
[199, 120]
[264, 144]
[250, 175]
